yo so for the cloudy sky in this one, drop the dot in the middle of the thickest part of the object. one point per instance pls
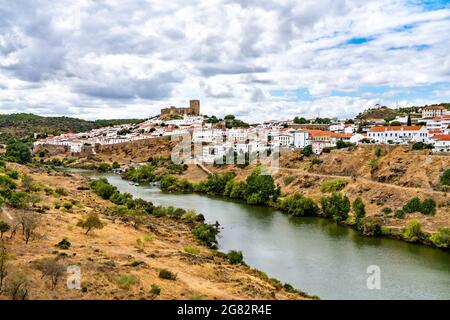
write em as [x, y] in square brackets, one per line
[256, 59]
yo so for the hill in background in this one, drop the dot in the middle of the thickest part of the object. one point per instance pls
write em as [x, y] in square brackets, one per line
[24, 125]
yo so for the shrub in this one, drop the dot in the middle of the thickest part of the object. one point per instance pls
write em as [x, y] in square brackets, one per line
[167, 275]
[125, 281]
[191, 250]
[413, 205]
[413, 232]
[421, 146]
[64, 244]
[206, 233]
[335, 206]
[261, 188]
[441, 238]
[370, 226]
[155, 289]
[19, 200]
[445, 178]
[333, 185]
[288, 180]
[115, 165]
[57, 204]
[104, 167]
[7, 183]
[316, 161]
[386, 211]
[68, 205]
[298, 205]
[61, 192]
[235, 257]
[103, 188]
[428, 206]
[18, 152]
[13, 174]
[399, 214]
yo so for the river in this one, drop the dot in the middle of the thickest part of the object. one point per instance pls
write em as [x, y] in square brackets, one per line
[312, 254]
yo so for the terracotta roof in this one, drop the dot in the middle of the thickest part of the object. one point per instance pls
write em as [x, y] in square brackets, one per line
[328, 134]
[442, 137]
[435, 131]
[394, 128]
[435, 108]
[443, 117]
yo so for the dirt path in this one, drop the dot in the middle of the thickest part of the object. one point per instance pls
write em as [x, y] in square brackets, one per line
[5, 212]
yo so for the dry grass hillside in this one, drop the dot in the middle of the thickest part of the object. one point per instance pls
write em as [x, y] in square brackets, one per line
[119, 261]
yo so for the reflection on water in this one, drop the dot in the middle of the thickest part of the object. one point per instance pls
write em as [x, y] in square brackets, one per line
[313, 254]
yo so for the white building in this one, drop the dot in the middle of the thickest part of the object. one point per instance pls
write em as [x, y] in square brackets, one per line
[441, 142]
[431, 112]
[398, 134]
[211, 135]
[237, 135]
[301, 139]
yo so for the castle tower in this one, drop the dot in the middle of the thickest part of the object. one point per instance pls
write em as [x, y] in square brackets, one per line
[194, 106]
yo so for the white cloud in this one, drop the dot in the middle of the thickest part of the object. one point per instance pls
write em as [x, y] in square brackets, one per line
[129, 58]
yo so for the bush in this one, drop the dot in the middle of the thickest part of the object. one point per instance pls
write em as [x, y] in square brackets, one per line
[115, 165]
[316, 161]
[155, 289]
[288, 180]
[413, 232]
[167, 275]
[235, 257]
[125, 281]
[441, 238]
[261, 188]
[18, 152]
[4, 227]
[191, 250]
[64, 244]
[333, 185]
[307, 151]
[336, 206]
[103, 188]
[370, 226]
[298, 205]
[445, 178]
[399, 214]
[7, 183]
[206, 233]
[104, 167]
[13, 174]
[68, 205]
[428, 206]
[413, 205]
[19, 200]
[61, 192]
[421, 146]
[386, 211]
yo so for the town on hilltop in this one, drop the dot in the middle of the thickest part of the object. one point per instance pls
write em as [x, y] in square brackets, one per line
[425, 127]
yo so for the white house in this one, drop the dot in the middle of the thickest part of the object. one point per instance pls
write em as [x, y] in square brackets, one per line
[441, 142]
[398, 134]
[433, 111]
[210, 135]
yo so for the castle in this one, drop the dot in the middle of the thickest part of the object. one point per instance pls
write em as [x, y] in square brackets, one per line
[194, 109]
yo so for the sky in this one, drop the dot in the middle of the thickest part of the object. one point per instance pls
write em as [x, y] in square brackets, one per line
[259, 60]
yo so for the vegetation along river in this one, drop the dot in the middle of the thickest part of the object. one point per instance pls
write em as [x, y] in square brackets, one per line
[314, 255]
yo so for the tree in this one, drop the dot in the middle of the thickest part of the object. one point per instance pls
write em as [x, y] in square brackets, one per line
[19, 200]
[413, 205]
[359, 209]
[307, 151]
[115, 165]
[413, 231]
[336, 206]
[445, 178]
[261, 187]
[229, 117]
[408, 122]
[395, 123]
[104, 167]
[4, 227]
[3, 265]
[428, 206]
[30, 221]
[91, 221]
[19, 151]
[17, 286]
[52, 269]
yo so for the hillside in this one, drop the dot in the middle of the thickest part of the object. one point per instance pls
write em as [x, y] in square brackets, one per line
[377, 113]
[119, 261]
[23, 125]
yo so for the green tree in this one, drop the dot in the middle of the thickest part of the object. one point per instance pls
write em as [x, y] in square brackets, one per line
[19, 151]
[359, 210]
[229, 117]
[261, 187]
[409, 122]
[91, 221]
[104, 167]
[413, 232]
[441, 238]
[336, 206]
[445, 178]
[413, 205]
[4, 227]
[428, 206]
[307, 151]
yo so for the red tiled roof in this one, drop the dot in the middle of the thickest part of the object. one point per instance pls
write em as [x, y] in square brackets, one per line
[435, 108]
[394, 128]
[442, 137]
[329, 134]
[435, 131]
